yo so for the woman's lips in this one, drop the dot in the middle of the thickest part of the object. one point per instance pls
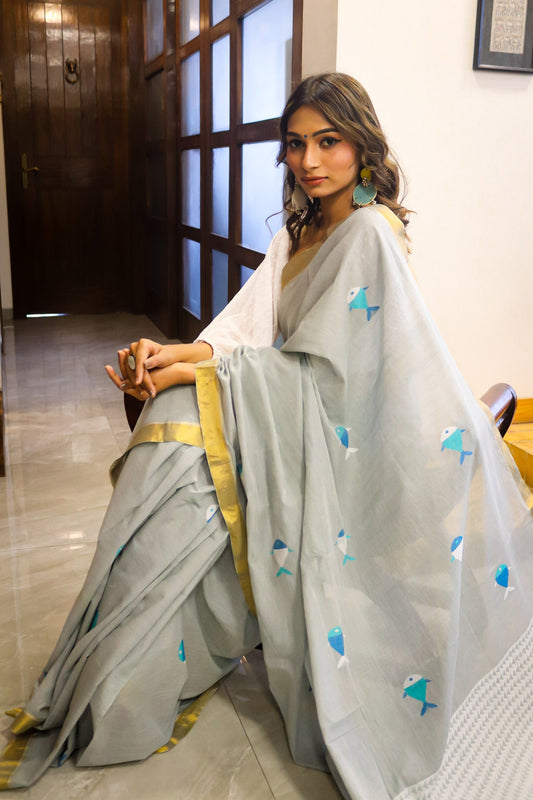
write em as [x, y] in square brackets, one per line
[313, 181]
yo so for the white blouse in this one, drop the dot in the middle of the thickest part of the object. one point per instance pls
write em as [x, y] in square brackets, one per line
[251, 317]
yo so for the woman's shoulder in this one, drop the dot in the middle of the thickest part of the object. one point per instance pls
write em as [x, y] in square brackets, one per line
[382, 221]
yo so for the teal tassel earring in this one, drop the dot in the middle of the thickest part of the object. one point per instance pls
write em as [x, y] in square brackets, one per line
[365, 192]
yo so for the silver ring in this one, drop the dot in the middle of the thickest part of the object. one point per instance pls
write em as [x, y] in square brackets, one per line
[131, 361]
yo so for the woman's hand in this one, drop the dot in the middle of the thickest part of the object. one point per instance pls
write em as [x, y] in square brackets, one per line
[157, 366]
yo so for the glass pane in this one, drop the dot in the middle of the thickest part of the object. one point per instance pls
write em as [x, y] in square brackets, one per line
[219, 274]
[266, 60]
[190, 95]
[220, 190]
[219, 10]
[191, 277]
[155, 28]
[189, 20]
[190, 187]
[220, 67]
[262, 184]
[246, 272]
[155, 115]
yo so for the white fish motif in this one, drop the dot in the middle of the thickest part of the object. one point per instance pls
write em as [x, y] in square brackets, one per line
[280, 551]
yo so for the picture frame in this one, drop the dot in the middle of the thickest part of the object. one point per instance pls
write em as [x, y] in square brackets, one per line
[504, 35]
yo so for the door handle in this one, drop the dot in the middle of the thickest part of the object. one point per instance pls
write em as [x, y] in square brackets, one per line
[26, 169]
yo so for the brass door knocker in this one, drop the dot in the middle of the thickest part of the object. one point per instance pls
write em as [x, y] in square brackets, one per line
[72, 74]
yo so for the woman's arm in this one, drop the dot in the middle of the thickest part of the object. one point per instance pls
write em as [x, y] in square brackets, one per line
[250, 318]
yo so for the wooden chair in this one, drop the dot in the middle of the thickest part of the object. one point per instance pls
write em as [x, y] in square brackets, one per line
[501, 399]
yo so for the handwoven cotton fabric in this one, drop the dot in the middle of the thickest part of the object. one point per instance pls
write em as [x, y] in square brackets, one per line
[381, 549]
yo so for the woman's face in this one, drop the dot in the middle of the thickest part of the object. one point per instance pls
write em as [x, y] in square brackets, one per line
[323, 162]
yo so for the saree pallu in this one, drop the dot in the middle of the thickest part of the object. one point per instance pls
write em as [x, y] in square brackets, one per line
[390, 545]
[377, 533]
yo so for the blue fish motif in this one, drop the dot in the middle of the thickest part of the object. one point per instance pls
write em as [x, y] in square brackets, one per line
[336, 642]
[344, 439]
[502, 579]
[457, 548]
[181, 651]
[210, 512]
[452, 439]
[280, 551]
[357, 299]
[342, 542]
[415, 686]
[94, 622]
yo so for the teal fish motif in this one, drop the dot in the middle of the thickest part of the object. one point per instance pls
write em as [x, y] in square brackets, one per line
[210, 513]
[357, 299]
[342, 542]
[181, 651]
[280, 551]
[502, 579]
[452, 439]
[344, 439]
[415, 686]
[336, 642]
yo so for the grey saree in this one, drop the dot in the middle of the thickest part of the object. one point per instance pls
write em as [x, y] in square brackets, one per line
[345, 500]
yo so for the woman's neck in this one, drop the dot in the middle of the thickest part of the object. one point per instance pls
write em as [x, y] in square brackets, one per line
[336, 209]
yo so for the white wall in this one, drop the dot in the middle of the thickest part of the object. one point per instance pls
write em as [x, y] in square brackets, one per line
[5, 267]
[465, 141]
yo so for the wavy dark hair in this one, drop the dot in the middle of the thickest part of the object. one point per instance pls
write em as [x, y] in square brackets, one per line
[347, 107]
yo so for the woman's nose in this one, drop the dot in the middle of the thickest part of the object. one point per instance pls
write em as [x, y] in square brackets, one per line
[310, 158]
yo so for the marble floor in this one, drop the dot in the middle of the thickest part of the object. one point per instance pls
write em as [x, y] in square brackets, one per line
[65, 424]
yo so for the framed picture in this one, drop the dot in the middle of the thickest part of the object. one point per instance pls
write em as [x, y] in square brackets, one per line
[504, 35]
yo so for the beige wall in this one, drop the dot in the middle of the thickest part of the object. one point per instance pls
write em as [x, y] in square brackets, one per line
[464, 139]
[5, 268]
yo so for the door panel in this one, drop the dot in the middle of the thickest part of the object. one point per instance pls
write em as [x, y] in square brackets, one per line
[68, 228]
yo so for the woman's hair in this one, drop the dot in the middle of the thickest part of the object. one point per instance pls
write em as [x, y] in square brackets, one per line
[347, 106]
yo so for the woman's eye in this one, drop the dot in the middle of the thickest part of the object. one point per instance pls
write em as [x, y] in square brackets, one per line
[294, 144]
[329, 141]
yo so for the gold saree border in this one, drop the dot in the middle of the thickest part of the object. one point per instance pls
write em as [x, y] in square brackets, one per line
[220, 465]
[188, 717]
[23, 721]
[185, 432]
[11, 758]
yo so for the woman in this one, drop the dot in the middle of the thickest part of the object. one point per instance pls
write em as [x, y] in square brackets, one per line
[343, 499]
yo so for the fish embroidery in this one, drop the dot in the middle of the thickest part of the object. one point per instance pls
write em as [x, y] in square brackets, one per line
[415, 686]
[457, 548]
[181, 651]
[452, 439]
[502, 579]
[357, 299]
[344, 439]
[342, 542]
[336, 642]
[280, 551]
[210, 513]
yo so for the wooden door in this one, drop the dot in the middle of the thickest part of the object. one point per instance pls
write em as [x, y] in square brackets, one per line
[65, 83]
